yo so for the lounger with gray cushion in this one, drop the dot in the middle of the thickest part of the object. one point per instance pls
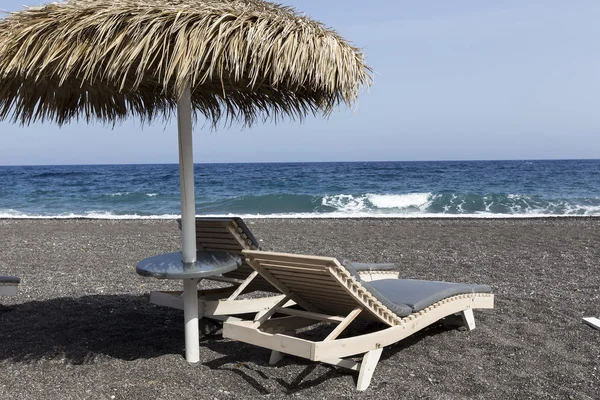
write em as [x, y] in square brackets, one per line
[326, 291]
[231, 234]
[9, 285]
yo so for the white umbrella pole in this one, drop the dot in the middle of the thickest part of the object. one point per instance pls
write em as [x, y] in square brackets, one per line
[188, 225]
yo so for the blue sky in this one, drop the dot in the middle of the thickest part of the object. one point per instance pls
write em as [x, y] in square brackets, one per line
[455, 80]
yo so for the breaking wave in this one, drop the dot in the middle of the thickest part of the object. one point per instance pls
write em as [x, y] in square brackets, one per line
[342, 206]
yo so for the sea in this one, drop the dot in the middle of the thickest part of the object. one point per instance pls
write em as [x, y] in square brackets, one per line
[483, 189]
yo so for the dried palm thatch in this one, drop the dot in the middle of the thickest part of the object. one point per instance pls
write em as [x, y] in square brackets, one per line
[109, 59]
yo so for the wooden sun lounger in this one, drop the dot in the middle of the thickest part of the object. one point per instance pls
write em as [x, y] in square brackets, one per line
[328, 292]
[9, 285]
[233, 235]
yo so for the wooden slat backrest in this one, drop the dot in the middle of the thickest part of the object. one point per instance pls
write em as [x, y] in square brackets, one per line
[321, 282]
[231, 235]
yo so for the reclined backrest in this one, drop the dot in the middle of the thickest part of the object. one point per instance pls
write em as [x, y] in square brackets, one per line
[230, 234]
[319, 284]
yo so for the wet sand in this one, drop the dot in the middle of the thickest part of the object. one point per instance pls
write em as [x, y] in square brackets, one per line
[82, 328]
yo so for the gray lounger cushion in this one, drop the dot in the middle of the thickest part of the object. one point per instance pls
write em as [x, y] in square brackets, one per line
[405, 296]
[355, 267]
[10, 279]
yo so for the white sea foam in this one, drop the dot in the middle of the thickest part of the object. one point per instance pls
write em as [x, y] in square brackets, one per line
[400, 201]
[346, 203]
[12, 214]
[372, 203]
[151, 194]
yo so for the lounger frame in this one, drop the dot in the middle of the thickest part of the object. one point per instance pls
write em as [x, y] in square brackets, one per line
[327, 292]
[224, 234]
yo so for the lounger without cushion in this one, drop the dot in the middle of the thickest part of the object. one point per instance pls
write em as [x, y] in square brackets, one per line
[9, 285]
[233, 235]
[329, 292]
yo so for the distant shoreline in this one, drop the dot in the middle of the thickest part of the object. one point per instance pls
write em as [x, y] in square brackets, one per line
[312, 218]
[475, 160]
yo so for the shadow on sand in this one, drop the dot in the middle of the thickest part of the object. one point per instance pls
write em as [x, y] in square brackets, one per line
[80, 330]
[251, 362]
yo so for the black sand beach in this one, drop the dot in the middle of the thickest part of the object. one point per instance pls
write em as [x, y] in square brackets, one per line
[82, 328]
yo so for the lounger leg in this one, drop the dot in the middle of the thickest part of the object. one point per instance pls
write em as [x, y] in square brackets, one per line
[367, 368]
[276, 356]
[468, 319]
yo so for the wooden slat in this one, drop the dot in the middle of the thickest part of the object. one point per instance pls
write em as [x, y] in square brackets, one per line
[224, 230]
[282, 288]
[224, 240]
[308, 314]
[344, 324]
[332, 307]
[291, 274]
[292, 264]
[221, 247]
[301, 274]
[213, 222]
[302, 270]
[337, 296]
[210, 229]
[331, 304]
[245, 243]
[237, 233]
[285, 257]
[322, 283]
[215, 235]
[308, 295]
[262, 318]
[243, 286]
[287, 260]
[301, 290]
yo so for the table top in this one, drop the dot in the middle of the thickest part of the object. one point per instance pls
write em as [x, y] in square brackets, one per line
[170, 265]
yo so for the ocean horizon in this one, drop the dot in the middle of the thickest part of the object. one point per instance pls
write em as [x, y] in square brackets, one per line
[407, 189]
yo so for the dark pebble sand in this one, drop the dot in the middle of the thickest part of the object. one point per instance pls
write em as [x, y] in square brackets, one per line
[82, 328]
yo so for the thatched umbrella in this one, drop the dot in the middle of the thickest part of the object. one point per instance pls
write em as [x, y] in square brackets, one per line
[236, 60]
